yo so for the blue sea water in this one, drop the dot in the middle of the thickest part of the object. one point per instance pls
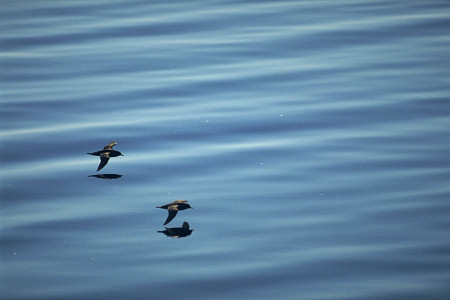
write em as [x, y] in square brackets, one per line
[310, 137]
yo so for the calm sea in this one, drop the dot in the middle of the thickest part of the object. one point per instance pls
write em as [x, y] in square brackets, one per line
[311, 138]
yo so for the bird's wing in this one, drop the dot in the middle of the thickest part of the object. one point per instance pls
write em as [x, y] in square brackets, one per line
[109, 146]
[104, 157]
[179, 201]
[172, 213]
[172, 203]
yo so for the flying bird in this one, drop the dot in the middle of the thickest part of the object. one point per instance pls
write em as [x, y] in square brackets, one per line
[173, 209]
[105, 154]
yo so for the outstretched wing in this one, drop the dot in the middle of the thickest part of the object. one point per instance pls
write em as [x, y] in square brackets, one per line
[109, 146]
[172, 213]
[104, 157]
[172, 203]
[178, 202]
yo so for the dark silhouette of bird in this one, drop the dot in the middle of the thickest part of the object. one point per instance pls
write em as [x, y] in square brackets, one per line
[178, 232]
[173, 209]
[106, 176]
[105, 154]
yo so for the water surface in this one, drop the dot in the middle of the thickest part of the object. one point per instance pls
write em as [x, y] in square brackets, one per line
[311, 138]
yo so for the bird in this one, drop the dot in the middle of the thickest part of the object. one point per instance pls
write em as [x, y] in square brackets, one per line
[178, 232]
[173, 209]
[105, 154]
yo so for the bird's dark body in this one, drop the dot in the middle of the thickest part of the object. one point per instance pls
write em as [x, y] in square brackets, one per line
[112, 153]
[180, 206]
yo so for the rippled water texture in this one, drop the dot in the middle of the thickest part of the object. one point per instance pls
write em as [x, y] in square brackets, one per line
[311, 139]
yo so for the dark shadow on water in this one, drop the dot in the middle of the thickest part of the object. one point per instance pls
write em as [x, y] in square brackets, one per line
[178, 232]
[106, 176]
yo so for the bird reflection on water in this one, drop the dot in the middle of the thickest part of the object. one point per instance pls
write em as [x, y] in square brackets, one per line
[178, 232]
[106, 176]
